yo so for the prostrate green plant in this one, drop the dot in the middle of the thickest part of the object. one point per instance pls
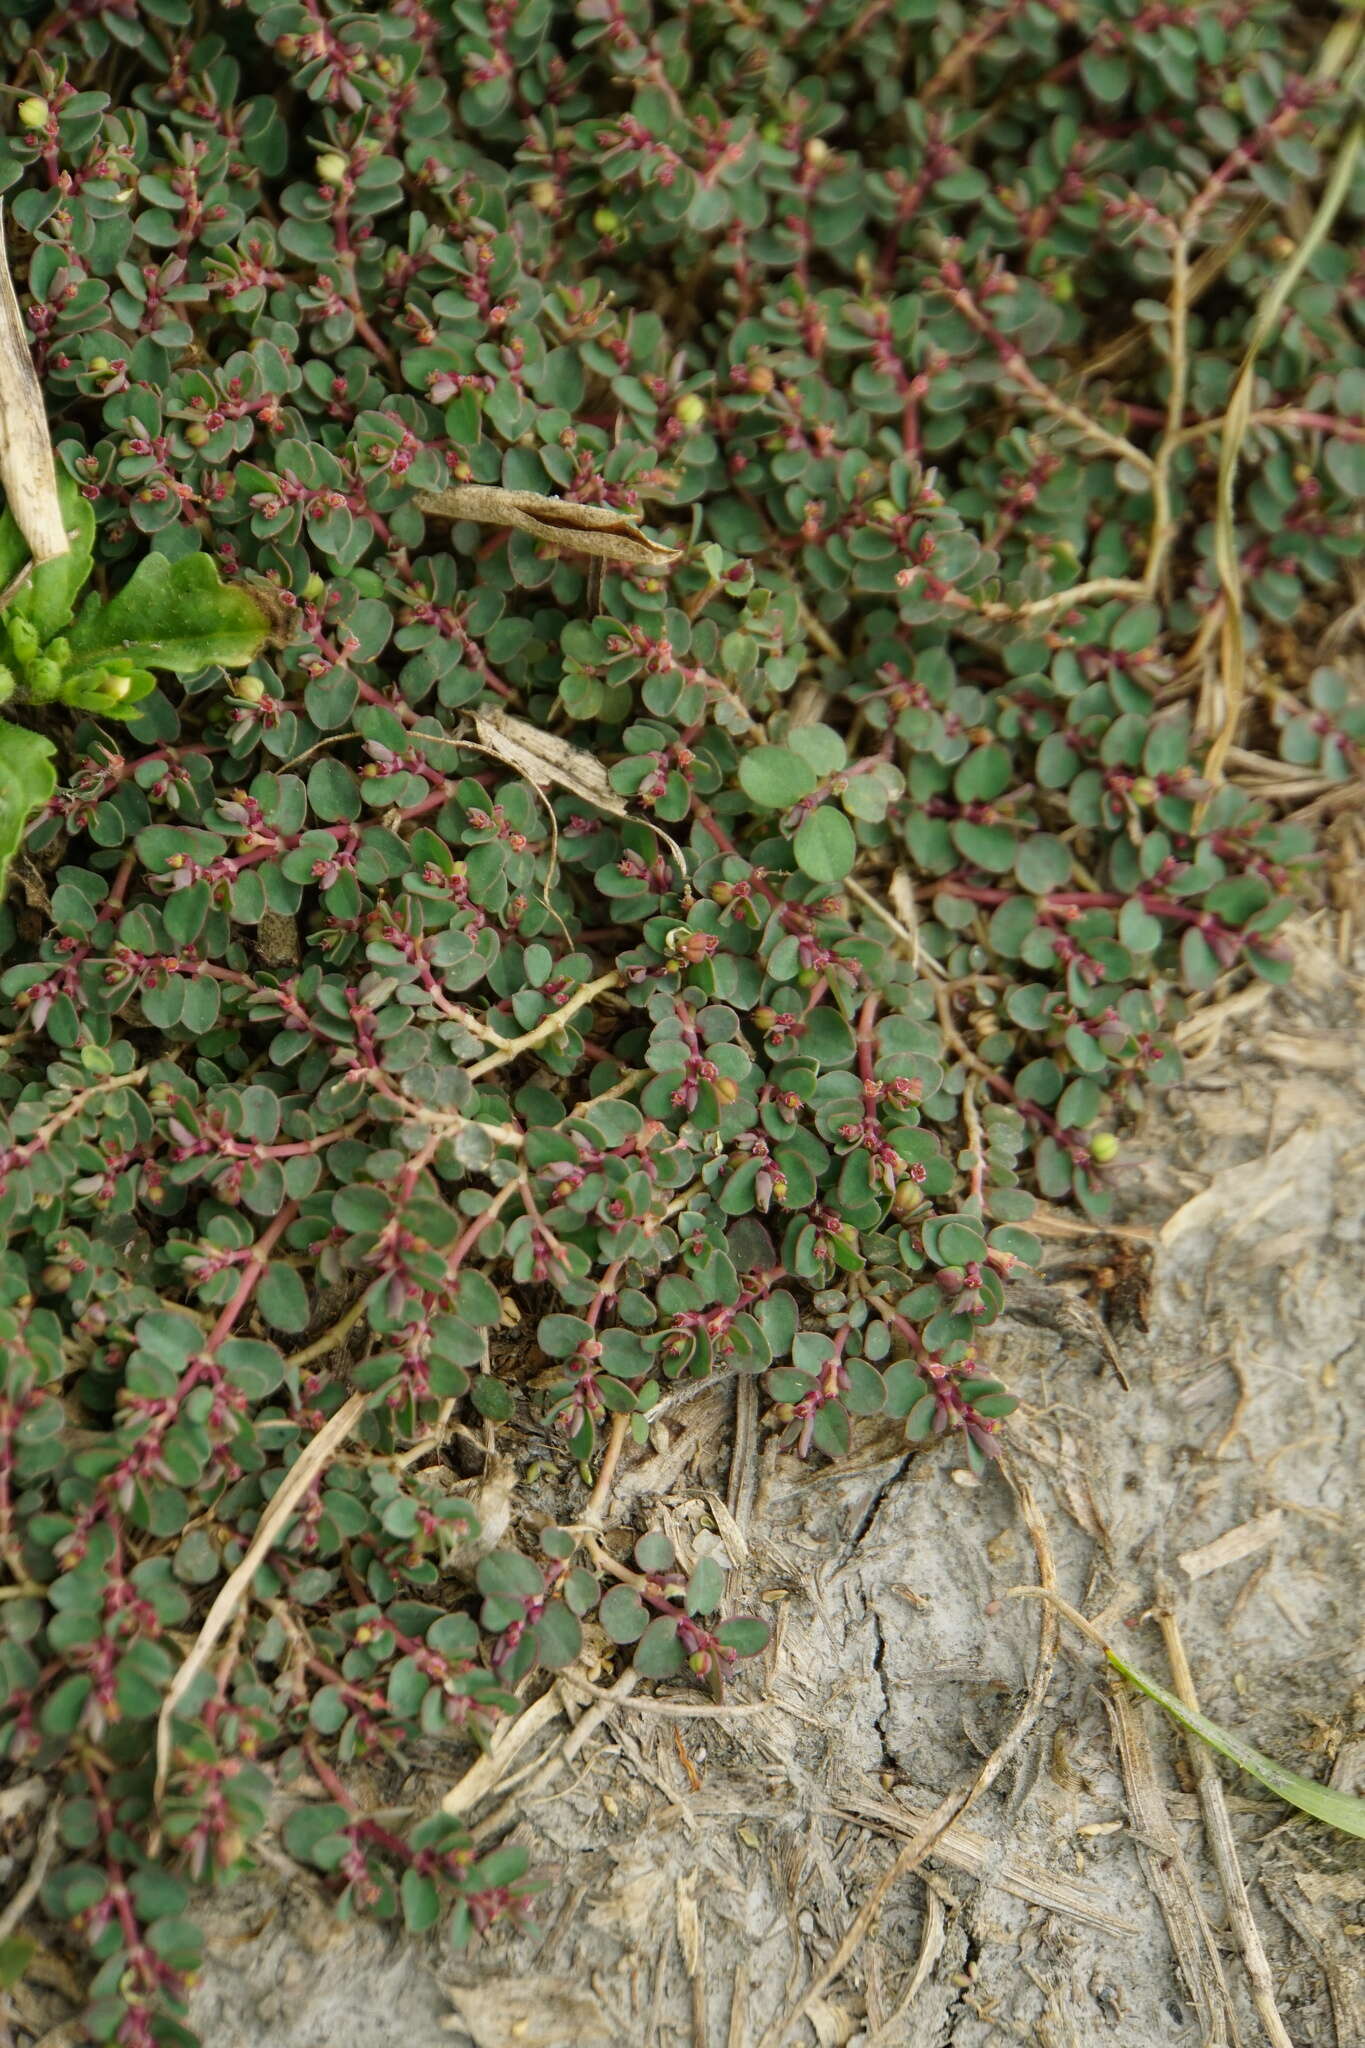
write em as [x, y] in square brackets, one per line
[721, 826]
[179, 617]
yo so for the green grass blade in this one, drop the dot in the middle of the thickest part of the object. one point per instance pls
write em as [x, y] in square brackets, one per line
[1339, 1809]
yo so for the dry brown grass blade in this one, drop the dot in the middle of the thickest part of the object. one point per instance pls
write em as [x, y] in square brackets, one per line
[891, 2030]
[1168, 1874]
[1237, 419]
[487, 1772]
[598, 530]
[1222, 1847]
[738, 2035]
[692, 1942]
[28, 1891]
[1331, 1948]
[27, 471]
[959, 1848]
[603, 1707]
[236, 1588]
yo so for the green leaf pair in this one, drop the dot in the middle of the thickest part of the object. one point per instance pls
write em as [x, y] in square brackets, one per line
[177, 616]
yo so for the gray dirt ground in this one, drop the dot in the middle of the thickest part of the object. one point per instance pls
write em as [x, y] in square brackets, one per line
[703, 1869]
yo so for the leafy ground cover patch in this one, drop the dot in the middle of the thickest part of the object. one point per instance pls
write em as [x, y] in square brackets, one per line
[780, 528]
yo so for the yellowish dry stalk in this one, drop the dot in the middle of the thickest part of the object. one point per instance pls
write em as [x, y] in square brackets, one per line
[27, 472]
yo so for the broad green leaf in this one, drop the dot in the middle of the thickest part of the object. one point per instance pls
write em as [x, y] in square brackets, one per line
[775, 777]
[48, 599]
[706, 1587]
[825, 847]
[659, 1653]
[746, 1635]
[1339, 1809]
[27, 780]
[559, 1636]
[623, 1614]
[421, 1902]
[171, 615]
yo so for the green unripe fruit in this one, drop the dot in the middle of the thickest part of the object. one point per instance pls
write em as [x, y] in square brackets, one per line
[885, 508]
[197, 435]
[1103, 1147]
[98, 366]
[331, 168]
[33, 113]
[605, 221]
[690, 409]
[313, 588]
[247, 689]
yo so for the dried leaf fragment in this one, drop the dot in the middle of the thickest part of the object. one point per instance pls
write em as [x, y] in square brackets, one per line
[585, 529]
[546, 761]
[26, 467]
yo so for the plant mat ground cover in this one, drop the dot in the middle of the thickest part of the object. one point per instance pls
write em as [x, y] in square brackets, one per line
[810, 560]
[1236, 1482]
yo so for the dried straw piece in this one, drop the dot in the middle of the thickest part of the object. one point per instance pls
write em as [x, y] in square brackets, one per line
[585, 529]
[26, 467]
[311, 1462]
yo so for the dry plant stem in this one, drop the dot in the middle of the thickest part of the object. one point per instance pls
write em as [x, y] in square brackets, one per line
[892, 2029]
[1191, 1937]
[489, 1769]
[1237, 420]
[688, 1710]
[548, 1027]
[886, 917]
[330, 1338]
[1218, 1829]
[604, 1705]
[738, 2034]
[951, 1809]
[27, 471]
[237, 1587]
[976, 1856]
[611, 1457]
[28, 1891]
